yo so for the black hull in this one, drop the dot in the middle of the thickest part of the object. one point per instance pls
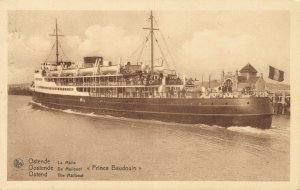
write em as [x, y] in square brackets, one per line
[255, 112]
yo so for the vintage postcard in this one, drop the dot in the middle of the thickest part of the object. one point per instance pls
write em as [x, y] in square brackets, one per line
[150, 94]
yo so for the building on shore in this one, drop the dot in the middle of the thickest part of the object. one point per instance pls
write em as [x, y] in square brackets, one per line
[244, 79]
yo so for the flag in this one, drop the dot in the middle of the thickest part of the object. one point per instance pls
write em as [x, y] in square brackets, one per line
[276, 74]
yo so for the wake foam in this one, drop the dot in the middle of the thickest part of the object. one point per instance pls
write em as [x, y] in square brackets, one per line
[246, 129]
[39, 104]
[25, 108]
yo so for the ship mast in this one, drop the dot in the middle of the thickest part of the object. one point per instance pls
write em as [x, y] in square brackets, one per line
[152, 33]
[152, 48]
[56, 41]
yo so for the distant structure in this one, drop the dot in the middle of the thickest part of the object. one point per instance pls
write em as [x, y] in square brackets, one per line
[245, 79]
[19, 89]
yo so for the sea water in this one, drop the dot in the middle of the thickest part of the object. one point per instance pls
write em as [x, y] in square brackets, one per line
[141, 149]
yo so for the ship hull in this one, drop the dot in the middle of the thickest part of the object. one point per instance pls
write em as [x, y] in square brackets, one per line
[255, 112]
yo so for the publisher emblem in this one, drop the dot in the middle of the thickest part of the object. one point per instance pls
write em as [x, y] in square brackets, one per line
[18, 163]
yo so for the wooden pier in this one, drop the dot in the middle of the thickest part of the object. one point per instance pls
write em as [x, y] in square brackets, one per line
[281, 101]
[19, 89]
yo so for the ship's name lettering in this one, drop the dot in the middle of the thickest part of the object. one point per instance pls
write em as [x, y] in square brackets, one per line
[113, 168]
[97, 167]
[123, 168]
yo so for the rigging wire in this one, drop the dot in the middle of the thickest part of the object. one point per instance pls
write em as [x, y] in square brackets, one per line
[28, 58]
[64, 52]
[34, 50]
[162, 53]
[49, 53]
[139, 47]
[149, 60]
[30, 48]
[164, 40]
[143, 47]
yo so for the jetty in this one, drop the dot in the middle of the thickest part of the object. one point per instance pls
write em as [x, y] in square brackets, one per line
[19, 89]
[281, 102]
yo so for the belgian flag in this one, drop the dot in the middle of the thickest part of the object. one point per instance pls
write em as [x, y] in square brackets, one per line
[276, 74]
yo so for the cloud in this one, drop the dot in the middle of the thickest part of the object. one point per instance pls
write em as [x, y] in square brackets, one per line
[205, 52]
[209, 52]
[25, 55]
[107, 41]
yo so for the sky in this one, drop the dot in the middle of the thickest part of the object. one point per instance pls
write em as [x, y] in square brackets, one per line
[195, 43]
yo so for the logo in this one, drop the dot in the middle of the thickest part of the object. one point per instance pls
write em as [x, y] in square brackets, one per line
[18, 163]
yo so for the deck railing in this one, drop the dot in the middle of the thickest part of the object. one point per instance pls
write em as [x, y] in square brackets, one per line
[173, 94]
[107, 83]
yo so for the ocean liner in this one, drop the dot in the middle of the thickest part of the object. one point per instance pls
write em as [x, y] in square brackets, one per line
[146, 92]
